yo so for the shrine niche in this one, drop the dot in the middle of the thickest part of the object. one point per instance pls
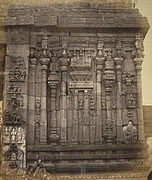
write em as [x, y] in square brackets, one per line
[73, 88]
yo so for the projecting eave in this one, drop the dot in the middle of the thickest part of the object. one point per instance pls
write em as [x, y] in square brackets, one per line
[84, 16]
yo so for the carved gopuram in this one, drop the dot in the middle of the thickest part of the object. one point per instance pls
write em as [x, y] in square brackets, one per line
[72, 90]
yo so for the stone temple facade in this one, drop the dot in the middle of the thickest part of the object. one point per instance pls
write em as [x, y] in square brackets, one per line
[72, 93]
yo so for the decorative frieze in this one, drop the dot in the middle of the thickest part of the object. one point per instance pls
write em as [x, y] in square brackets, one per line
[81, 85]
[79, 61]
[13, 134]
[13, 118]
[16, 69]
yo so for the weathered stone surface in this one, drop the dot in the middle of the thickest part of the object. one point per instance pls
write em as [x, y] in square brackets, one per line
[147, 112]
[75, 79]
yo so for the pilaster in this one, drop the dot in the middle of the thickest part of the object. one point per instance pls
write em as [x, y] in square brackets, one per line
[44, 61]
[99, 68]
[31, 98]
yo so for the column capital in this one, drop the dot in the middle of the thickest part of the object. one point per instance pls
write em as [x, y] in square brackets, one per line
[99, 62]
[64, 62]
[53, 84]
[53, 77]
[100, 55]
[33, 62]
[138, 63]
[44, 63]
[118, 62]
[74, 92]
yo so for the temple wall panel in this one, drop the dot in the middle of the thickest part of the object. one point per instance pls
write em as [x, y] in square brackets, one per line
[73, 88]
[16, 101]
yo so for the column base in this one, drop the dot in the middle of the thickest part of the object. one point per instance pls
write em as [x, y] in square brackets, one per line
[54, 137]
[63, 142]
[74, 142]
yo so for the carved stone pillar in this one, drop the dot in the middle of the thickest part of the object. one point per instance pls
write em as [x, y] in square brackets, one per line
[63, 68]
[138, 65]
[118, 61]
[43, 124]
[31, 99]
[85, 130]
[75, 123]
[52, 123]
[109, 78]
[99, 66]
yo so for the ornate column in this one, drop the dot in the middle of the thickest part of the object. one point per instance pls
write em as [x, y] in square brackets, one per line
[118, 61]
[109, 79]
[63, 114]
[44, 61]
[99, 67]
[53, 82]
[31, 97]
[138, 65]
[75, 118]
[85, 130]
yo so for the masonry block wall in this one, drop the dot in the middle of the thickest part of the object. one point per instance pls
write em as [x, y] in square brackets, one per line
[72, 91]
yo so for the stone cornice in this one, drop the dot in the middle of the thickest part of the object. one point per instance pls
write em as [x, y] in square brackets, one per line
[73, 15]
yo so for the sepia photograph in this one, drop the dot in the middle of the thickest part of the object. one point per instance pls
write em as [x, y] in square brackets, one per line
[75, 89]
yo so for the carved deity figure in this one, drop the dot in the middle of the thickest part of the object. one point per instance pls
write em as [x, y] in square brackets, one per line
[38, 106]
[20, 135]
[130, 132]
[13, 134]
[131, 101]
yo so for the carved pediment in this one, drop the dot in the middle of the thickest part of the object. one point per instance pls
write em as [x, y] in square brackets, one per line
[81, 85]
[80, 75]
[81, 63]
